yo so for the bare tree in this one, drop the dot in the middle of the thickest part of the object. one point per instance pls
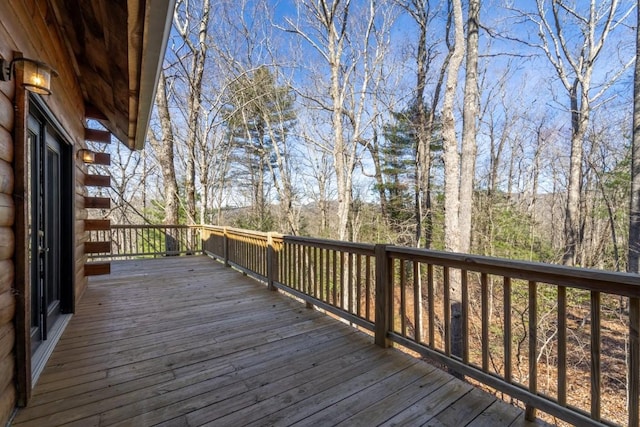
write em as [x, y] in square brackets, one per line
[572, 40]
[347, 49]
[470, 113]
[423, 13]
[633, 265]
[332, 19]
[192, 24]
[452, 170]
[164, 148]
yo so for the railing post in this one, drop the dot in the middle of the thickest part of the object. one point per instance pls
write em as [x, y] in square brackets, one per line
[225, 247]
[271, 258]
[383, 297]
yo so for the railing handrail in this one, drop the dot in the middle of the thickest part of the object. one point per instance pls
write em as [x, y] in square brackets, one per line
[151, 226]
[363, 248]
[623, 284]
[145, 240]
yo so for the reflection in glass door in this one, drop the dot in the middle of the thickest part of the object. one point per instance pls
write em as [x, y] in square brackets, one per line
[52, 221]
[46, 240]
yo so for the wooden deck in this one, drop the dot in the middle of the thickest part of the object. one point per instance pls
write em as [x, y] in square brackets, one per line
[186, 342]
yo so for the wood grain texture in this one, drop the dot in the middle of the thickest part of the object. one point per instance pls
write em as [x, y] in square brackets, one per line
[7, 339]
[97, 224]
[7, 403]
[38, 36]
[28, 27]
[7, 210]
[22, 285]
[92, 112]
[97, 247]
[7, 364]
[7, 275]
[103, 159]
[97, 180]
[186, 341]
[7, 307]
[6, 145]
[97, 135]
[97, 202]
[6, 112]
[97, 268]
[7, 243]
[6, 177]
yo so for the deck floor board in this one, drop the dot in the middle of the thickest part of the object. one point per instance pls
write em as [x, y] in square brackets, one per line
[184, 341]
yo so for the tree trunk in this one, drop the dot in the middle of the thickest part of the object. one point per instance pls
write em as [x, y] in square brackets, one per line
[469, 116]
[340, 152]
[579, 122]
[374, 150]
[420, 11]
[633, 265]
[198, 59]
[452, 174]
[423, 149]
[164, 151]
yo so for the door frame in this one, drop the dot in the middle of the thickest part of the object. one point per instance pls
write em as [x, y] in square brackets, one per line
[29, 367]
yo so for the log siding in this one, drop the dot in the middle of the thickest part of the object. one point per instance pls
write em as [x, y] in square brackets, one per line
[26, 28]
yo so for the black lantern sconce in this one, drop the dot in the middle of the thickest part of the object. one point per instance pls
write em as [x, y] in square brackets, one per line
[87, 156]
[36, 74]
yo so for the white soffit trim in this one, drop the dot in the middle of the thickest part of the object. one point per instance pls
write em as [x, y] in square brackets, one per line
[157, 26]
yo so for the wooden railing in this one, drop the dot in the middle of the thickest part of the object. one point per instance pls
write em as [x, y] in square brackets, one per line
[338, 277]
[147, 241]
[556, 338]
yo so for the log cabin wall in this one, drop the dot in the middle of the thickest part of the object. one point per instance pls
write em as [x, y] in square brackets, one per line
[28, 27]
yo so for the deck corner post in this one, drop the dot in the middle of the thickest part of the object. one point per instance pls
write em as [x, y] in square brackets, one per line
[198, 232]
[383, 297]
[225, 246]
[270, 260]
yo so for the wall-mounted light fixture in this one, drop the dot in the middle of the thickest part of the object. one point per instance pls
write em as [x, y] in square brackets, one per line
[36, 74]
[86, 156]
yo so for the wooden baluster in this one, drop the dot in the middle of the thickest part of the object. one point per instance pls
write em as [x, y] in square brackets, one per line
[417, 301]
[506, 303]
[359, 284]
[316, 289]
[350, 284]
[634, 362]
[464, 287]
[447, 312]
[367, 307]
[335, 279]
[300, 268]
[328, 277]
[322, 274]
[309, 266]
[431, 302]
[595, 356]
[484, 284]
[562, 345]
[342, 294]
[403, 298]
[270, 261]
[288, 255]
[530, 411]
[225, 246]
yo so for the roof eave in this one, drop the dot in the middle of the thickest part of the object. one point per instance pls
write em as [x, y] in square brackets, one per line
[144, 72]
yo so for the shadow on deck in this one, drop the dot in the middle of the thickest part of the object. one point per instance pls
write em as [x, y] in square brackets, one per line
[184, 341]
